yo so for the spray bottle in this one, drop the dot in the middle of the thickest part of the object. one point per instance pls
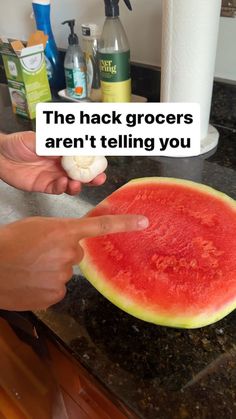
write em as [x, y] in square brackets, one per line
[75, 67]
[114, 56]
[41, 10]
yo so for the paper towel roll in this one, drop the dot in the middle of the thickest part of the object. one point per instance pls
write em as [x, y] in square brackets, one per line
[190, 34]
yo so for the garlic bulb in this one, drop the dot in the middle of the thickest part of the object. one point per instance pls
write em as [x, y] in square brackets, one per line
[83, 168]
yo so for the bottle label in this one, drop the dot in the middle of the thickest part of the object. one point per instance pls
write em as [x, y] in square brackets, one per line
[76, 83]
[116, 92]
[114, 67]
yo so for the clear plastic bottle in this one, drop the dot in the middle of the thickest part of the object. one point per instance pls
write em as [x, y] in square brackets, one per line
[90, 41]
[75, 67]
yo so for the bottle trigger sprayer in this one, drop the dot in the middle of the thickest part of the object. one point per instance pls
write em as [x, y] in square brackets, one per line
[114, 56]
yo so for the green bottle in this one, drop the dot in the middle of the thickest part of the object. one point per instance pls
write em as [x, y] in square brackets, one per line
[114, 56]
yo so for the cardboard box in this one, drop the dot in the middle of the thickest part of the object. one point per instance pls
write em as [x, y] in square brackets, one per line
[26, 73]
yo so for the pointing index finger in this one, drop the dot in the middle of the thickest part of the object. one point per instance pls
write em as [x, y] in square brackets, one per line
[107, 224]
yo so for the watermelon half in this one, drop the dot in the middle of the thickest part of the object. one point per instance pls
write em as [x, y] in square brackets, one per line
[181, 270]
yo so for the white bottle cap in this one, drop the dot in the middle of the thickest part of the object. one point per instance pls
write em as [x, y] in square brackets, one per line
[44, 2]
[90, 30]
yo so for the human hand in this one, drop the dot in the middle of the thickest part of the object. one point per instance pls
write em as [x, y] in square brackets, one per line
[37, 255]
[22, 168]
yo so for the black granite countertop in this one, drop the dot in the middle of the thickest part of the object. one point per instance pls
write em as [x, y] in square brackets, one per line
[157, 372]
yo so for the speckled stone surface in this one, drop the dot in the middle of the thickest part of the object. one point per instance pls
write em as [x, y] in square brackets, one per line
[157, 372]
[223, 110]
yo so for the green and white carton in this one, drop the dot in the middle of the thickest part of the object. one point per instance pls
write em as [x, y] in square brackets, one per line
[26, 75]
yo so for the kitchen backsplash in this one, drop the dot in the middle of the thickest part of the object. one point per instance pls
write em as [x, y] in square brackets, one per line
[223, 112]
[146, 82]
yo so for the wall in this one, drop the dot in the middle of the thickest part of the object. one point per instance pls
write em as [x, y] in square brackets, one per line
[226, 54]
[143, 27]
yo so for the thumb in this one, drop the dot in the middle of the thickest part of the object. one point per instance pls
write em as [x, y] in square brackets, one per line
[22, 145]
[25, 138]
[106, 224]
[28, 138]
[19, 145]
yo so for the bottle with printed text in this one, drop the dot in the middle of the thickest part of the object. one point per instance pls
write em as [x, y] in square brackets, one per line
[114, 56]
[75, 67]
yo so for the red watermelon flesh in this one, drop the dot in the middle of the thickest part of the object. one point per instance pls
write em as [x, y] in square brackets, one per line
[181, 270]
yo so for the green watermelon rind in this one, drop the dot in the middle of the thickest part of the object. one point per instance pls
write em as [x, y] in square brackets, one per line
[97, 279]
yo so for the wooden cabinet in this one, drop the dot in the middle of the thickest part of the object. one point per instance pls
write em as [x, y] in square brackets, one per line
[78, 386]
[56, 387]
[26, 386]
